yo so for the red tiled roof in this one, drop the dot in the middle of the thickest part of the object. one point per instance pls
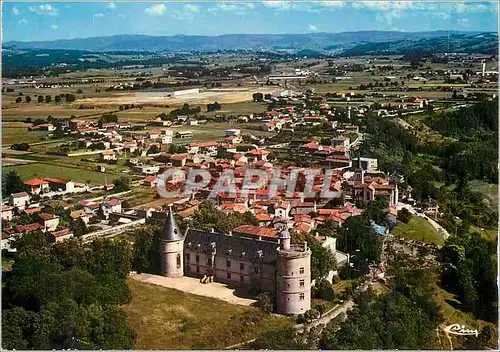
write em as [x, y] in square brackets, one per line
[150, 179]
[62, 233]
[302, 228]
[113, 202]
[30, 211]
[46, 216]
[36, 182]
[29, 228]
[259, 152]
[263, 217]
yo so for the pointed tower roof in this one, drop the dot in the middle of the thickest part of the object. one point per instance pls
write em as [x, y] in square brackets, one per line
[171, 232]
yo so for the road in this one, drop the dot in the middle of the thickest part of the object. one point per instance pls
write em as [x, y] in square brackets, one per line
[438, 227]
[327, 317]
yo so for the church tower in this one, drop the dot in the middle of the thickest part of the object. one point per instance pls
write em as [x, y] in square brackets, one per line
[293, 277]
[172, 248]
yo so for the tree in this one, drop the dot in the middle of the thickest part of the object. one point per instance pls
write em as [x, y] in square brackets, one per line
[147, 256]
[57, 98]
[358, 238]
[48, 99]
[177, 149]
[324, 290]
[12, 183]
[322, 258]
[265, 302]
[78, 226]
[28, 99]
[208, 217]
[284, 338]
[69, 98]
[405, 318]
[258, 97]
[404, 215]
[122, 184]
[19, 99]
[40, 99]
[155, 149]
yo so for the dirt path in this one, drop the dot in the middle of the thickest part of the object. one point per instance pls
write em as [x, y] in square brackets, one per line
[192, 285]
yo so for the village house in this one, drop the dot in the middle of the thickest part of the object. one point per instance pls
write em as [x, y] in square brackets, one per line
[19, 200]
[150, 181]
[108, 155]
[37, 186]
[111, 206]
[7, 213]
[60, 236]
[49, 221]
[61, 184]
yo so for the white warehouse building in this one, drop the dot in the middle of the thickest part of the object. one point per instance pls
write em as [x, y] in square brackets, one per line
[186, 92]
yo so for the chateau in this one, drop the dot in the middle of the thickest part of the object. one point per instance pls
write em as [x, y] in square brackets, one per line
[277, 267]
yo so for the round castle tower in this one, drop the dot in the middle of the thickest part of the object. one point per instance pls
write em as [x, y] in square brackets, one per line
[172, 248]
[293, 277]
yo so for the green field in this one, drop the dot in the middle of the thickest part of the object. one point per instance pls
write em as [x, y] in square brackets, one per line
[48, 170]
[419, 229]
[489, 233]
[164, 318]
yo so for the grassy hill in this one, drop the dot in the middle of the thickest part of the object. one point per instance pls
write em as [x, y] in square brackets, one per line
[164, 318]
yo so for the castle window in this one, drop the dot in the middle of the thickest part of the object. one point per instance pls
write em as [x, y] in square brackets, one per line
[242, 278]
[301, 283]
[229, 276]
[301, 270]
[197, 269]
[197, 258]
[188, 257]
[301, 296]
[242, 266]
[178, 261]
[228, 263]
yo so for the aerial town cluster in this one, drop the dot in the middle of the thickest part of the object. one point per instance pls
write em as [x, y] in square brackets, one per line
[131, 169]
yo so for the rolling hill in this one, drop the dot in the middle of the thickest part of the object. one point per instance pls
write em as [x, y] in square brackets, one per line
[323, 42]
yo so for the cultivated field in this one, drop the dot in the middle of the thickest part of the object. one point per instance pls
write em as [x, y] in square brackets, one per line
[233, 95]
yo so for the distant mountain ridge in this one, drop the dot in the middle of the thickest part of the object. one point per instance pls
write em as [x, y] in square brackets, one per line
[324, 42]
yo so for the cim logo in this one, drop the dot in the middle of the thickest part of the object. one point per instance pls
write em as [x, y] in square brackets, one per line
[457, 329]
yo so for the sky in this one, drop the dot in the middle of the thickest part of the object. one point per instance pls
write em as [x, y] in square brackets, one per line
[27, 21]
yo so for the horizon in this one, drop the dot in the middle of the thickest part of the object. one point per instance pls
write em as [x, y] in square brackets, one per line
[236, 34]
[26, 22]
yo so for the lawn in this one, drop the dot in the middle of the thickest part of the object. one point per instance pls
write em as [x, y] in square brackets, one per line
[419, 229]
[48, 170]
[165, 318]
[489, 233]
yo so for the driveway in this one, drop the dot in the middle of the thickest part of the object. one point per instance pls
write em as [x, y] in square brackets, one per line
[192, 285]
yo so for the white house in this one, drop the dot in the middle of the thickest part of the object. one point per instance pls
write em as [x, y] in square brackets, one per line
[111, 206]
[7, 213]
[108, 155]
[19, 200]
